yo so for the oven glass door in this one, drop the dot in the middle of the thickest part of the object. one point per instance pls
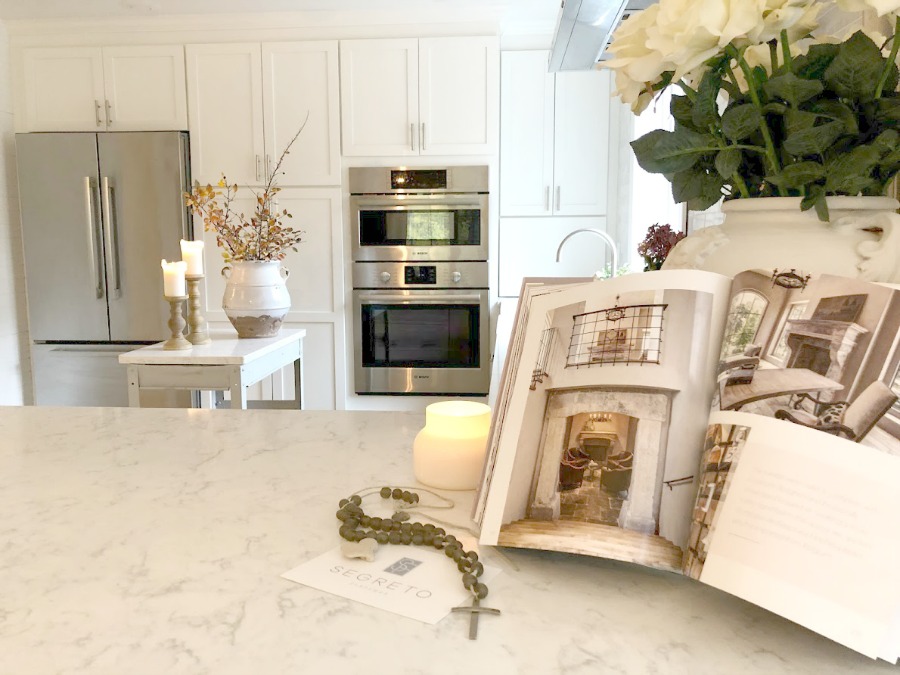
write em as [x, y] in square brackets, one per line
[422, 341]
[417, 335]
[439, 226]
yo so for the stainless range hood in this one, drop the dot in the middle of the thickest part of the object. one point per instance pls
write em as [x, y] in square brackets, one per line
[583, 31]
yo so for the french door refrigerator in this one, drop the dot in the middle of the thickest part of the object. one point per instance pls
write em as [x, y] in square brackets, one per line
[99, 212]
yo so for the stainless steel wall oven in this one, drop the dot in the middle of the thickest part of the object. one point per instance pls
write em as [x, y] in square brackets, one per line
[420, 280]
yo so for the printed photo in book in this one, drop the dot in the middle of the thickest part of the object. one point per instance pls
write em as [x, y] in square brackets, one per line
[739, 431]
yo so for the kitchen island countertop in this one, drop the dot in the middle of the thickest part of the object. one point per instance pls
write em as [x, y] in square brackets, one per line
[152, 541]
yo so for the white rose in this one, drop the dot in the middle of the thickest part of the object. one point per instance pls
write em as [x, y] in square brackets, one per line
[637, 67]
[798, 17]
[881, 6]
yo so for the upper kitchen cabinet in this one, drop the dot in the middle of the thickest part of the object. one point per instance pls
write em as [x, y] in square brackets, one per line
[104, 89]
[554, 149]
[428, 96]
[247, 101]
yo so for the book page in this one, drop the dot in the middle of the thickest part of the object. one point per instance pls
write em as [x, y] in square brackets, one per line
[806, 527]
[583, 459]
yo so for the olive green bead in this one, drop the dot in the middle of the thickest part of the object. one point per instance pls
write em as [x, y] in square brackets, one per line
[459, 556]
[437, 541]
[418, 527]
[451, 539]
[428, 538]
[342, 515]
[375, 523]
[480, 591]
[394, 537]
[400, 515]
[450, 547]
[417, 539]
[385, 492]
[397, 493]
[343, 502]
[356, 499]
[471, 555]
[405, 538]
[365, 521]
[463, 565]
[381, 537]
[406, 527]
[351, 522]
[406, 496]
[469, 580]
[414, 498]
[441, 531]
[477, 569]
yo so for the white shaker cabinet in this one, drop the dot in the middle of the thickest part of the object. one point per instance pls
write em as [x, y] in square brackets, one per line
[248, 100]
[428, 96]
[138, 88]
[554, 149]
[225, 112]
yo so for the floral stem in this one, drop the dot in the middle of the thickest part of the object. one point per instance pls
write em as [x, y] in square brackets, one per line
[773, 54]
[690, 93]
[771, 155]
[785, 48]
[891, 60]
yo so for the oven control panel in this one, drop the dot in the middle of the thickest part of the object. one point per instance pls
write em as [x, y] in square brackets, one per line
[433, 275]
[417, 275]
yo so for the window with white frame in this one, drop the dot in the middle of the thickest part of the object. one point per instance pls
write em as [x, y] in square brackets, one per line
[744, 316]
[780, 351]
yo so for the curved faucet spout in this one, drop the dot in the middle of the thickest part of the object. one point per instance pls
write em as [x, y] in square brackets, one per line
[605, 237]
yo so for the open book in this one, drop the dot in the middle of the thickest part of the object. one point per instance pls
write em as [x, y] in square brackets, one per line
[744, 432]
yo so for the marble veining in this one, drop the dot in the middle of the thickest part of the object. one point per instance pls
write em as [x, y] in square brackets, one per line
[152, 541]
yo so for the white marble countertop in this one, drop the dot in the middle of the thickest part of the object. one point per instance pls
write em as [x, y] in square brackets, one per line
[224, 348]
[152, 541]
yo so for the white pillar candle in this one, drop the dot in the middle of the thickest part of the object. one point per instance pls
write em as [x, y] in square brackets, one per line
[192, 254]
[173, 279]
[449, 452]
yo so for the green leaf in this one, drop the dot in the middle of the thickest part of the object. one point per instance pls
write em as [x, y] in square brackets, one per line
[728, 161]
[706, 110]
[813, 141]
[851, 172]
[663, 151]
[740, 121]
[835, 110]
[815, 197]
[886, 141]
[682, 110]
[889, 109]
[799, 120]
[796, 176]
[788, 87]
[696, 186]
[855, 71]
[812, 65]
[775, 107]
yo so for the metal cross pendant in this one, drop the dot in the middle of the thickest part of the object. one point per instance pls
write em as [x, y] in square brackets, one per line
[474, 610]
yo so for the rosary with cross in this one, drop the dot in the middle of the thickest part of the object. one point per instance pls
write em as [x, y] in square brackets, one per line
[363, 534]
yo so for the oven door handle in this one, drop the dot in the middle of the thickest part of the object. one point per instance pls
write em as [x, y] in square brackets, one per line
[406, 200]
[410, 300]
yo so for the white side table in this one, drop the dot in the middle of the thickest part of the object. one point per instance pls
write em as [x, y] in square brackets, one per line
[226, 363]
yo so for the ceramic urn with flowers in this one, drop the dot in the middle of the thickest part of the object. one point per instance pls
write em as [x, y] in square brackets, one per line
[793, 125]
[256, 298]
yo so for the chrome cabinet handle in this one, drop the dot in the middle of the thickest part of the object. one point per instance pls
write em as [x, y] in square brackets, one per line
[112, 236]
[412, 136]
[109, 119]
[268, 167]
[258, 161]
[92, 242]
[547, 198]
[558, 197]
[97, 112]
[422, 143]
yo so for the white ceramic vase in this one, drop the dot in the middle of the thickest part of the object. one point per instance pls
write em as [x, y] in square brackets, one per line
[862, 239]
[256, 298]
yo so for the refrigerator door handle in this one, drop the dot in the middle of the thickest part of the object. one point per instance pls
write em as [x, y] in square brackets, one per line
[92, 241]
[112, 236]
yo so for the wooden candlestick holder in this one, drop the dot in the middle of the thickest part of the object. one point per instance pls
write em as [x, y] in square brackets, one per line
[176, 324]
[199, 330]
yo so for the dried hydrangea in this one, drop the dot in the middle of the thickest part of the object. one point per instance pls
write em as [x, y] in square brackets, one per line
[657, 244]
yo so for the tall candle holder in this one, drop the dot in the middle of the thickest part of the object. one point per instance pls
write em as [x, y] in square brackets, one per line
[176, 324]
[199, 331]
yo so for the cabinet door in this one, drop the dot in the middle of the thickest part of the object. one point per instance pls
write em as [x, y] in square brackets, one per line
[458, 94]
[64, 89]
[225, 113]
[379, 97]
[145, 88]
[300, 79]
[581, 154]
[526, 137]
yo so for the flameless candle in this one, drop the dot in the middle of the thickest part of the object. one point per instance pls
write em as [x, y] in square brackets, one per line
[192, 254]
[449, 452]
[173, 279]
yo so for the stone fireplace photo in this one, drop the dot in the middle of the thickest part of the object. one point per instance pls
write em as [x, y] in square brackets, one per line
[819, 355]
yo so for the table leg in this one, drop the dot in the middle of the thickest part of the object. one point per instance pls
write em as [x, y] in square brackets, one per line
[298, 382]
[134, 388]
[238, 391]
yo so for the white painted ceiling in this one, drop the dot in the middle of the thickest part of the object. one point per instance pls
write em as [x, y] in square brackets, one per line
[512, 11]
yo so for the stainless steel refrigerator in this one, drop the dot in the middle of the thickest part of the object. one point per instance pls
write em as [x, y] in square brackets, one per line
[99, 212]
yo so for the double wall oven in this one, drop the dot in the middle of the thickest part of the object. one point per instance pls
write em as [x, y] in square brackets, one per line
[420, 280]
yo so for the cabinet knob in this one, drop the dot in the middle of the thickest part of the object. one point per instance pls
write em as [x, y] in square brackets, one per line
[456, 277]
[385, 276]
